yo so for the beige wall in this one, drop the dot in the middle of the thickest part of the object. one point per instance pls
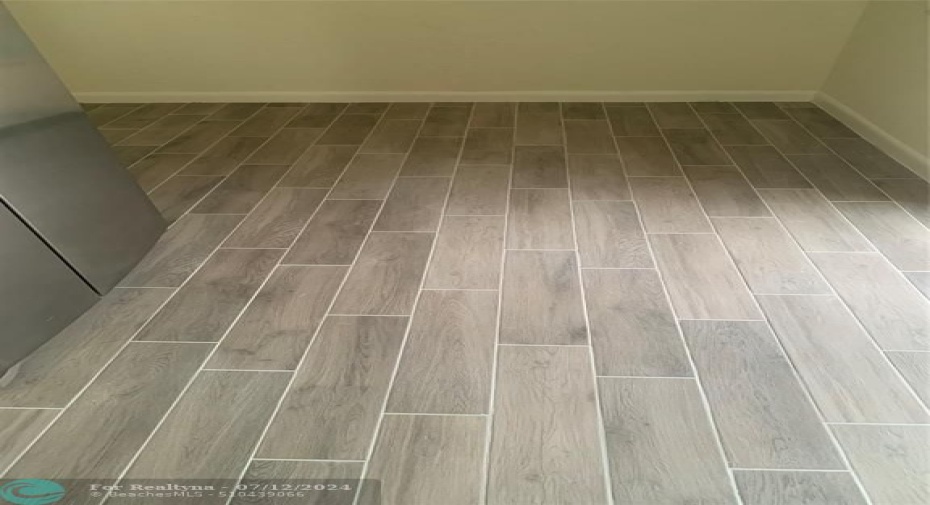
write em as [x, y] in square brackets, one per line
[401, 49]
[882, 76]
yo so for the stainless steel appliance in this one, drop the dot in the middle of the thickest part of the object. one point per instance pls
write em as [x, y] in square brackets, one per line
[72, 220]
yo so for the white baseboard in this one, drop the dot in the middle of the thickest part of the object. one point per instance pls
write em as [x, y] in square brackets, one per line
[454, 96]
[913, 159]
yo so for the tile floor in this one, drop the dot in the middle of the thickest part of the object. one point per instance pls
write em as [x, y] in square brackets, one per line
[505, 304]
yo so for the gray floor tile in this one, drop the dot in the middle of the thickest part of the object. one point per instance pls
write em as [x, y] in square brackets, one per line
[667, 205]
[425, 460]
[178, 194]
[108, 113]
[693, 146]
[368, 177]
[236, 111]
[432, 156]
[319, 167]
[541, 301]
[647, 156]
[713, 108]
[588, 136]
[129, 155]
[915, 367]
[660, 444]
[414, 204]
[766, 168]
[760, 110]
[540, 219]
[724, 192]
[674, 115]
[813, 222]
[920, 280]
[891, 461]
[266, 122]
[242, 190]
[446, 122]
[787, 487]
[900, 237]
[468, 253]
[912, 194]
[207, 304]
[597, 177]
[582, 110]
[156, 168]
[488, 146]
[305, 472]
[278, 219]
[632, 122]
[386, 275]
[701, 280]
[821, 124]
[199, 138]
[224, 156]
[334, 235]
[759, 406]
[407, 110]
[494, 115]
[317, 115]
[349, 130]
[868, 160]
[544, 443]
[835, 179]
[278, 325]
[447, 363]
[18, 428]
[539, 167]
[161, 131]
[633, 330]
[845, 372]
[733, 130]
[285, 147]
[610, 235]
[367, 108]
[890, 309]
[392, 136]
[479, 190]
[538, 124]
[181, 250]
[333, 406]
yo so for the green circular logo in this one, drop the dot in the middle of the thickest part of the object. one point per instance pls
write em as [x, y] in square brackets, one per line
[32, 492]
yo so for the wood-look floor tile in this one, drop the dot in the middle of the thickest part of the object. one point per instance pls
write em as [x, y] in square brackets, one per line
[181, 250]
[541, 301]
[113, 137]
[178, 194]
[661, 446]
[540, 219]
[425, 460]
[789, 137]
[813, 222]
[900, 237]
[610, 235]
[845, 372]
[667, 205]
[701, 280]
[786, 487]
[674, 115]
[464, 105]
[108, 113]
[368, 177]
[236, 111]
[821, 124]
[266, 122]
[597, 177]
[114, 416]
[234, 405]
[770, 261]
[200, 108]
[199, 138]
[386, 275]
[632, 122]
[447, 363]
[18, 428]
[407, 110]
[588, 136]
[759, 406]
[921, 281]
[367, 108]
[647, 156]
[305, 472]
[479, 190]
[891, 309]
[766, 168]
[432, 156]
[203, 309]
[540, 167]
[912, 194]
[582, 110]
[544, 443]
[242, 190]
[869, 160]
[278, 325]
[414, 204]
[915, 367]
[392, 136]
[446, 122]
[891, 461]
[733, 129]
[54, 373]
[488, 146]
[760, 110]
[224, 156]
[835, 179]
[349, 129]
[145, 115]
[319, 167]
[333, 406]
[796, 105]
[633, 331]
[130, 155]
[278, 219]
[724, 192]
[161, 131]
[285, 146]
[334, 235]
[156, 168]
[493, 115]
[468, 252]
[538, 124]
[713, 108]
[317, 115]
[693, 146]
